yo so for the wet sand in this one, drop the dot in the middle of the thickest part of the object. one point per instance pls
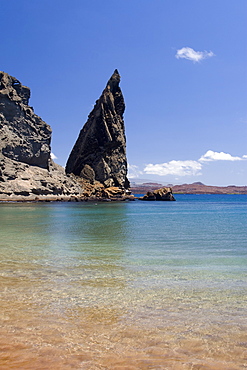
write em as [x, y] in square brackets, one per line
[40, 337]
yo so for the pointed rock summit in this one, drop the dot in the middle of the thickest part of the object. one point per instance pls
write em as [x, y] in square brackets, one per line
[99, 153]
[97, 166]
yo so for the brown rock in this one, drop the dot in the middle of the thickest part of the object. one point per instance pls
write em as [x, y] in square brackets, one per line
[164, 194]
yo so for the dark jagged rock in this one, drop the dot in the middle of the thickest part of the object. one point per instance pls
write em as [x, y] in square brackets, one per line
[164, 194]
[99, 153]
[25, 137]
[26, 169]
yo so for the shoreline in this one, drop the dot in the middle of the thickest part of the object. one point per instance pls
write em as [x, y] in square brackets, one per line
[70, 199]
[63, 199]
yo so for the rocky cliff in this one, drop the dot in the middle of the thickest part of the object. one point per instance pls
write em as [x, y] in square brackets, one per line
[24, 136]
[97, 166]
[26, 169]
[99, 154]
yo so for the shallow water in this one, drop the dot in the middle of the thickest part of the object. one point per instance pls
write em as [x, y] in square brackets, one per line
[136, 285]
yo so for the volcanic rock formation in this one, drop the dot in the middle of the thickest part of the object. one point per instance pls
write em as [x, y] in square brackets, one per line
[99, 154]
[24, 136]
[26, 168]
[164, 194]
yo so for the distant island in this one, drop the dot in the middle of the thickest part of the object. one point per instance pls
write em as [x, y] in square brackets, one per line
[195, 188]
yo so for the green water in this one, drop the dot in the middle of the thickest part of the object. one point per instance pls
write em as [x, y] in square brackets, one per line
[138, 285]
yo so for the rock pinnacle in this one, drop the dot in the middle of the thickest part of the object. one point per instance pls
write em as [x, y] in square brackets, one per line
[100, 150]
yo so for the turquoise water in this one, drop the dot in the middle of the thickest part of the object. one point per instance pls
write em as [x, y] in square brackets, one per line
[130, 285]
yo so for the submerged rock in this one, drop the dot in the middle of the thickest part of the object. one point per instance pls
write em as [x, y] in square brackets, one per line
[164, 194]
[99, 154]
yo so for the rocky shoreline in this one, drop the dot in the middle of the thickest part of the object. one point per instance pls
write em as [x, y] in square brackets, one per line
[71, 199]
[96, 169]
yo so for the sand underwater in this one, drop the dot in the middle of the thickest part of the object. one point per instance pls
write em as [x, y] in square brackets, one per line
[128, 285]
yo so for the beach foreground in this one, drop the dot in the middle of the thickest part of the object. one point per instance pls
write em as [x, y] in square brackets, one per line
[124, 285]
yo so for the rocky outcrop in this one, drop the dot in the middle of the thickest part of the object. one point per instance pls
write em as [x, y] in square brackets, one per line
[97, 166]
[25, 137]
[26, 169]
[99, 154]
[20, 181]
[164, 194]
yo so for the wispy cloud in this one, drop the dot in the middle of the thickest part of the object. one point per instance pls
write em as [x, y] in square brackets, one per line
[53, 156]
[182, 168]
[191, 54]
[133, 171]
[189, 167]
[210, 155]
[178, 168]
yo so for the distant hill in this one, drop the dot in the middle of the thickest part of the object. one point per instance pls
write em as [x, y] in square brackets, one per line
[143, 188]
[199, 188]
[195, 188]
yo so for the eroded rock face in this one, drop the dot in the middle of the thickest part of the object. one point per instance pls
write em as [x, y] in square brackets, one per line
[164, 194]
[25, 137]
[26, 169]
[20, 181]
[97, 166]
[99, 153]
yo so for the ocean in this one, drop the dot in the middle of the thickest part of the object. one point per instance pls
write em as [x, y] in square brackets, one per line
[124, 285]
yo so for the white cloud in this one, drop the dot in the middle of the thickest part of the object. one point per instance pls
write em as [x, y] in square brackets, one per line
[177, 168]
[133, 171]
[210, 155]
[182, 168]
[53, 156]
[191, 54]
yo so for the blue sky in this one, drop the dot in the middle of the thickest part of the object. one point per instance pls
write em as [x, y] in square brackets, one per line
[184, 80]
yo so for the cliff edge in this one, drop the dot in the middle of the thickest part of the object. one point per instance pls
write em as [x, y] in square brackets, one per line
[25, 137]
[27, 171]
